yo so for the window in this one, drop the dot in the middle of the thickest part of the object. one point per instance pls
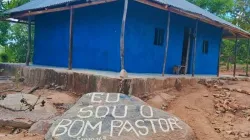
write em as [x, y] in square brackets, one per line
[205, 47]
[159, 36]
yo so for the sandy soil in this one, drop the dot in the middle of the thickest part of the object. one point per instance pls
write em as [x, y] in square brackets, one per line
[195, 104]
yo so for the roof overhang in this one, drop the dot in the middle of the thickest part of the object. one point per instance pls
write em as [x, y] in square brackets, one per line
[229, 31]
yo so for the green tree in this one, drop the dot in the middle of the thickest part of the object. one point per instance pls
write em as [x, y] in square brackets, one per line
[18, 44]
[237, 12]
[217, 7]
[241, 14]
[13, 36]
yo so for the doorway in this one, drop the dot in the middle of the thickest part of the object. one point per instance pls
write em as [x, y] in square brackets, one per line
[186, 50]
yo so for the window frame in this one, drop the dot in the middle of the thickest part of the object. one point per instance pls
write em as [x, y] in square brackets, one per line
[205, 46]
[159, 37]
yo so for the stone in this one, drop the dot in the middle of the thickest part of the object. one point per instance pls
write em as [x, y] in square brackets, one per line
[218, 130]
[216, 86]
[244, 134]
[248, 118]
[230, 132]
[244, 91]
[205, 95]
[238, 90]
[23, 119]
[13, 102]
[42, 126]
[123, 74]
[217, 95]
[47, 86]
[158, 100]
[228, 94]
[168, 98]
[178, 84]
[113, 116]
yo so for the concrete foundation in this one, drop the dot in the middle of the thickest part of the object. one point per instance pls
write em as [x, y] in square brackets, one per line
[82, 82]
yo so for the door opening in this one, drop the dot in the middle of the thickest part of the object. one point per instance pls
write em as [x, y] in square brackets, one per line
[186, 50]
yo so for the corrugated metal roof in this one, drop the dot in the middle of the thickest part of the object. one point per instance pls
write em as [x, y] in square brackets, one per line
[37, 4]
[180, 4]
[187, 6]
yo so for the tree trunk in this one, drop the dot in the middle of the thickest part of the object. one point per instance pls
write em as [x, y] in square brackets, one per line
[228, 62]
[194, 49]
[70, 39]
[29, 42]
[166, 49]
[122, 33]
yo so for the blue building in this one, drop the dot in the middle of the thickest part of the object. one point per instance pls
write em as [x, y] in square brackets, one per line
[159, 35]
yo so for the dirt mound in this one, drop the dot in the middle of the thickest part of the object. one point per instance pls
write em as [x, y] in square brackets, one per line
[215, 109]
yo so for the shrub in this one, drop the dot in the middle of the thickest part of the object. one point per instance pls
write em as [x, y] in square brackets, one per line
[4, 57]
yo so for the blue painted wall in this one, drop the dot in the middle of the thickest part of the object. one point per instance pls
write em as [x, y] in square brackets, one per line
[207, 63]
[97, 34]
[51, 39]
[141, 55]
[96, 37]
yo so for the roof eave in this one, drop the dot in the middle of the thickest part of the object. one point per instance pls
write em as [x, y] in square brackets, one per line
[233, 30]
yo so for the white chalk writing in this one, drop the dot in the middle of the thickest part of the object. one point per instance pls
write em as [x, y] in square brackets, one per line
[120, 125]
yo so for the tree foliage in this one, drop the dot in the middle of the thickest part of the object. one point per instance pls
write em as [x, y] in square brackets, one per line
[237, 12]
[13, 36]
[218, 7]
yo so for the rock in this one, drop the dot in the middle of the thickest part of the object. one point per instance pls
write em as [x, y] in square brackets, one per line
[217, 95]
[42, 126]
[16, 122]
[238, 90]
[158, 100]
[244, 91]
[47, 86]
[178, 84]
[123, 74]
[23, 119]
[222, 109]
[228, 94]
[244, 134]
[13, 102]
[203, 82]
[248, 118]
[60, 87]
[217, 129]
[21, 79]
[230, 132]
[113, 116]
[205, 95]
[168, 98]
[221, 82]
[216, 86]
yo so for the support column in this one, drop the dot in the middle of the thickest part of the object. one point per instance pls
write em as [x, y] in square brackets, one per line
[218, 67]
[122, 33]
[194, 49]
[70, 38]
[235, 55]
[167, 44]
[29, 42]
[248, 49]
[188, 50]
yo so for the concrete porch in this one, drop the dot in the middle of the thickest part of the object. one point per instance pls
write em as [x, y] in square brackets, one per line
[83, 81]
